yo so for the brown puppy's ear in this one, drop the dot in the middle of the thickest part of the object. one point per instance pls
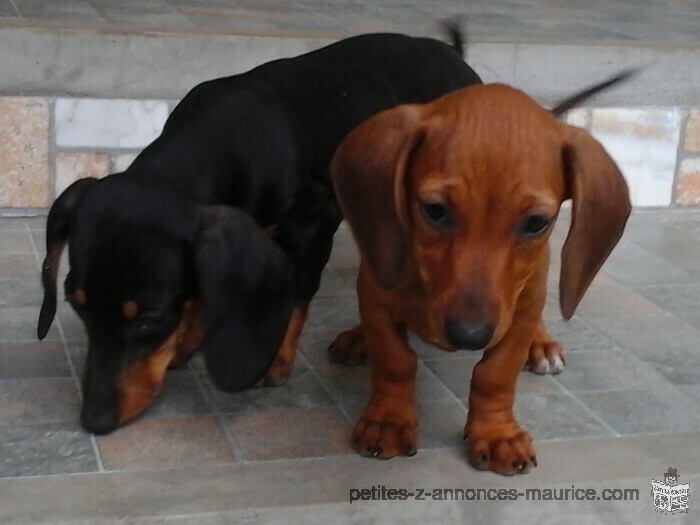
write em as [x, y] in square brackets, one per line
[368, 172]
[601, 207]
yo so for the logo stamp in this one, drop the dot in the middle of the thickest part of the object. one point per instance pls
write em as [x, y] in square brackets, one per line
[670, 497]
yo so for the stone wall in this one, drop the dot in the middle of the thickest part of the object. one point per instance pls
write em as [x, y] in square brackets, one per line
[47, 143]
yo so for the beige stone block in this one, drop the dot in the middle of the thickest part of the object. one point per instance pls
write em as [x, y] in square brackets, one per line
[73, 166]
[24, 152]
[688, 185]
[122, 162]
[692, 132]
[579, 117]
[644, 144]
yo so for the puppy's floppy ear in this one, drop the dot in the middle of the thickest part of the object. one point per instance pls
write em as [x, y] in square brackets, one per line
[245, 282]
[57, 231]
[369, 173]
[601, 206]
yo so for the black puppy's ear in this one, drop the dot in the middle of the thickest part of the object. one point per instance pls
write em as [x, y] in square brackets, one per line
[245, 281]
[57, 231]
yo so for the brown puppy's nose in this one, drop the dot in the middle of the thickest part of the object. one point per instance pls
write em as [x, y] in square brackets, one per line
[468, 336]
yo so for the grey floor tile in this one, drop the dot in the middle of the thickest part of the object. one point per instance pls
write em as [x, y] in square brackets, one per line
[314, 345]
[349, 277]
[608, 370]
[34, 223]
[632, 265]
[690, 227]
[145, 16]
[691, 319]
[19, 324]
[456, 374]
[7, 9]
[15, 241]
[166, 443]
[333, 285]
[38, 400]
[180, 397]
[302, 391]
[327, 313]
[674, 245]
[18, 266]
[556, 417]
[290, 434]
[24, 360]
[350, 387]
[63, 9]
[676, 299]
[608, 298]
[575, 335]
[656, 409]
[667, 343]
[45, 449]
[441, 424]
[692, 391]
[73, 328]
[20, 292]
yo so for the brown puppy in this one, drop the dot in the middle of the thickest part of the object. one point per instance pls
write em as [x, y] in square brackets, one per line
[452, 204]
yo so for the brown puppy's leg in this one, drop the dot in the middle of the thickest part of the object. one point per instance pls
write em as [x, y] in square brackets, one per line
[495, 441]
[349, 347]
[387, 428]
[546, 355]
[281, 367]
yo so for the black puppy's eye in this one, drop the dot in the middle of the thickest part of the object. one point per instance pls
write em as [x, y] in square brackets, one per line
[436, 213]
[535, 225]
[148, 323]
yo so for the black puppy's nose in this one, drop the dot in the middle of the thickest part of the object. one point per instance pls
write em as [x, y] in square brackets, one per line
[99, 421]
[468, 336]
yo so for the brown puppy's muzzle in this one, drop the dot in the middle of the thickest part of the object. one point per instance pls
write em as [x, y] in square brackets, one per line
[467, 335]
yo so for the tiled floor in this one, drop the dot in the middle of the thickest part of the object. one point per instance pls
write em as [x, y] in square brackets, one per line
[633, 367]
[493, 20]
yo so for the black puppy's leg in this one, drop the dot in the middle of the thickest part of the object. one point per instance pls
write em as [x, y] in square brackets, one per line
[281, 367]
[307, 238]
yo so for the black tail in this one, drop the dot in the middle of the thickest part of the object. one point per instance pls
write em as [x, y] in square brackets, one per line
[453, 28]
[578, 98]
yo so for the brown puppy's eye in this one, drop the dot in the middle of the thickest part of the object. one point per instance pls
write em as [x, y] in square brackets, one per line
[437, 214]
[535, 225]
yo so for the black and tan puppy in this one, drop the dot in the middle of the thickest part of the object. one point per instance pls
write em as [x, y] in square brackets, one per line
[216, 236]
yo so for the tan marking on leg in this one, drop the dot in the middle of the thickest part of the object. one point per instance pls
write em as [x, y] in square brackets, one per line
[191, 332]
[281, 367]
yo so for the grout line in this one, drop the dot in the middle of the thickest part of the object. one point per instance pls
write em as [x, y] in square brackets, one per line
[66, 353]
[215, 412]
[451, 394]
[680, 154]
[12, 2]
[586, 408]
[338, 405]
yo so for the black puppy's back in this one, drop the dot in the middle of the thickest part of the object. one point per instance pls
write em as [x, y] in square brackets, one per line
[293, 112]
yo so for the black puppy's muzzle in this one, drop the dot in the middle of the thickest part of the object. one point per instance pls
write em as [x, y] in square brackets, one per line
[99, 413]
[99, 420]
[468, 336]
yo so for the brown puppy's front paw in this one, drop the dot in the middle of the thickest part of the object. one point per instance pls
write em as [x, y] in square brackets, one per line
[348, 348]
[502, 448]
[277, 374]
[546, 356]
[385, 431]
